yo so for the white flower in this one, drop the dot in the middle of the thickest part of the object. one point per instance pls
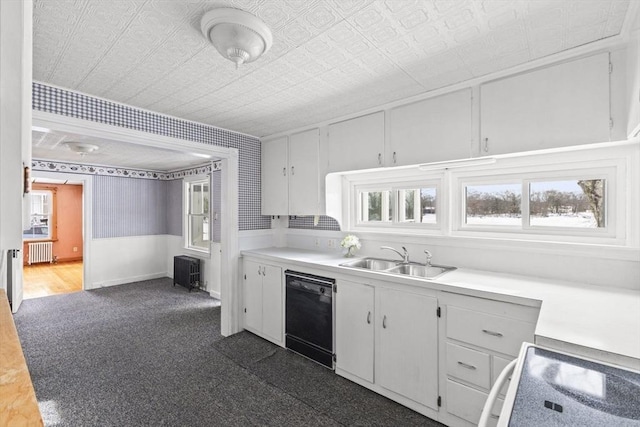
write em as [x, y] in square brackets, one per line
[350, 241]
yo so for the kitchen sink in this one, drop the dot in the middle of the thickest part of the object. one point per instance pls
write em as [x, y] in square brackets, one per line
[398, 267]
[375, 264]
[421, 270]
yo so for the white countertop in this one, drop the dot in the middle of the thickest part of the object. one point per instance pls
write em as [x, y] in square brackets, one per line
[573, 317]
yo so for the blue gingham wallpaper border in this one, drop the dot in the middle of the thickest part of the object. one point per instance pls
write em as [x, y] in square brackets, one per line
[88, 169]
[73, 104]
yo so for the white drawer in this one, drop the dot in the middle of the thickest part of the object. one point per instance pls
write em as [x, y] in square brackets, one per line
[497, 365]
[467, 403]
[500, 334]
[468, 365]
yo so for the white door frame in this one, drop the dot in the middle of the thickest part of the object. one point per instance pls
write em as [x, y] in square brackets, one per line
[87, 213]
[229, 293]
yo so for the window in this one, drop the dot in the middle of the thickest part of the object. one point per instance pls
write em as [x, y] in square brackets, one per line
[577, 195]
[400, 205]
[198, 224]
[417, 205]
[375, 206]
[567, 203]
[571, 203]
[41, 216]
[494, 204]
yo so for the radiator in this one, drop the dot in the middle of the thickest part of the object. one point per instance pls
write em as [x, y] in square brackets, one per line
[186, 272]
[40, 252]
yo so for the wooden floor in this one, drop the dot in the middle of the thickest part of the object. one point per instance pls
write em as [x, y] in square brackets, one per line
[41, 280]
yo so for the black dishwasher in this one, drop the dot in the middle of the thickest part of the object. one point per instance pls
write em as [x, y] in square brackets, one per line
[309, 316]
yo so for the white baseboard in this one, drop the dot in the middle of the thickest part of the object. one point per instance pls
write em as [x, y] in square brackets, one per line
[123, 280]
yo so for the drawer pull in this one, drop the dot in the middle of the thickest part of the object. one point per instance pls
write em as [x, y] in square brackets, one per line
[466, 365]
[384, 322]
[494, 416]
[493, 334]
[369, 318]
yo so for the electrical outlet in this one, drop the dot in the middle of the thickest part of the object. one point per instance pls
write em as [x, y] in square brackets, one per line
[75, 249]
[331, 243]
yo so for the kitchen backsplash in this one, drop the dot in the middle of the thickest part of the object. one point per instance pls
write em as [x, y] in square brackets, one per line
[307, 222]
[73, 104]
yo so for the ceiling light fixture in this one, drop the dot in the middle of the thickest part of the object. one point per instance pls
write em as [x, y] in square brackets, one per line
[238, 35]
[81, 148]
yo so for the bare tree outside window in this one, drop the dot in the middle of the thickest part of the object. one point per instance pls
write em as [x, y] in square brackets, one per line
[568, 203]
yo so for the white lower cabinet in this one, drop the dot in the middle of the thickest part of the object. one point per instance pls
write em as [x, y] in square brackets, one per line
[263, 300]
[354, 329]
[387, 340]
[479, 338]
[407, 351]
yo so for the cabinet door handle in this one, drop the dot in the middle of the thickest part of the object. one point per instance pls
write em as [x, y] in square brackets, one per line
[259, 271]
[293, 172]
[493, 334]
[494, 416]
[369, 318]
[466, 365]
[264, 271]
[394, 157]
[379, 159]
[284, 171]
[384, 322]
[486, 145]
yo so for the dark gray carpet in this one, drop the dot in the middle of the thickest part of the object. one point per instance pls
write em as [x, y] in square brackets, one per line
[149, 354]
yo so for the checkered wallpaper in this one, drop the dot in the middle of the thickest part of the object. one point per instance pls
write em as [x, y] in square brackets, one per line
[306, 222]
[60, 101]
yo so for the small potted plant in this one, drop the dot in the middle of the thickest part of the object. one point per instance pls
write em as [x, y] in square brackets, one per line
[352, 243]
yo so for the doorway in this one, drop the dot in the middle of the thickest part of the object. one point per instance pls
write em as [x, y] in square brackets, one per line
[226, 253]
[53, 238]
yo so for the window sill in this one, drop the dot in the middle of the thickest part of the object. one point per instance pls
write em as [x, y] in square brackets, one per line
[198, 253]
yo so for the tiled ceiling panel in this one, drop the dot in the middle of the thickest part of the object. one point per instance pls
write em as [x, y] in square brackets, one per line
[51, 146]
[329, 58]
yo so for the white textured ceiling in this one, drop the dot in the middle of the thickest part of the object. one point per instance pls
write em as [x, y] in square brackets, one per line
[51, 146]
[329, 58]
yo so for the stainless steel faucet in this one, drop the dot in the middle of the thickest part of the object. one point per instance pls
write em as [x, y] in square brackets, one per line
[405, 255]
[429, 256]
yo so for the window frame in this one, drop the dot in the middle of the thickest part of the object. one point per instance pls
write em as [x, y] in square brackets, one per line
[51, 216]
[610, 171]
[393, 186]
[612, 161]
[187, 215]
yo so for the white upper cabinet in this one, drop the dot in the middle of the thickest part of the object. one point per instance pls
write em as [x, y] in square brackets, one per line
[304, 173]
[432, 130]
[275, 177]
[562, 105]
[291, 175]
[357, 143]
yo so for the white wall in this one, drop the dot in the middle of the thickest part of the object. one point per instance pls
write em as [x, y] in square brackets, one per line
[15, 126]
[119, 260]
[619, 268]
